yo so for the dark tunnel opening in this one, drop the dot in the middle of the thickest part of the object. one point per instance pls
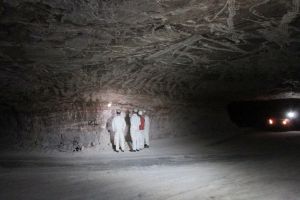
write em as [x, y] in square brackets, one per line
[266, 114]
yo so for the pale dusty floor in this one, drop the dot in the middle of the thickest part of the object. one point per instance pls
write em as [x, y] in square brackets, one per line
[254, 166]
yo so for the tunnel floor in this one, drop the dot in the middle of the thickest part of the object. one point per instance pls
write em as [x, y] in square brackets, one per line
[244, 166]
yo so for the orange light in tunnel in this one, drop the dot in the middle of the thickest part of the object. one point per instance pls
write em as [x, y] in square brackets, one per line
[285, 122]
[271, 121]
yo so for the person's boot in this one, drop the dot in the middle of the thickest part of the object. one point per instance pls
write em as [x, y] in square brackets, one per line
[122, 150]
[132, 150]
[146, 146]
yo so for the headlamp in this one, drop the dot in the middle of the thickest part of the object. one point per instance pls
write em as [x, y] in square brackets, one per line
[291, 114]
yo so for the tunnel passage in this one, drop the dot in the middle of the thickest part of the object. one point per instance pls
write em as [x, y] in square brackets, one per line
[66, 66]
[258, 113]
[62, 62]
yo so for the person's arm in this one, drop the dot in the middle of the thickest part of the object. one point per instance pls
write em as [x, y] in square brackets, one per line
[113, 125]
[147, 122]
[124, 125]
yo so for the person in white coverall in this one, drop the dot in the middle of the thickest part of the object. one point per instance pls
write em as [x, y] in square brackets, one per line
[134, 131]
[146, 129]
[118, 127]
[141, 130]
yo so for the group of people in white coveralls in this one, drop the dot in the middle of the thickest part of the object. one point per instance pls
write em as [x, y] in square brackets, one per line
[139, 130]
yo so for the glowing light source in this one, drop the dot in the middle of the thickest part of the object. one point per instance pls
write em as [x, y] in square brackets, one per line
[109, 104]
[285, 122]
[291, 114]
[271, 122]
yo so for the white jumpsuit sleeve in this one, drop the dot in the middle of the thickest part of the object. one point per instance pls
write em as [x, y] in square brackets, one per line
[124, 124]
[113, 126]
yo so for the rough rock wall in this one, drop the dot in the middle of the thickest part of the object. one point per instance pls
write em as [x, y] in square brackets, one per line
[55, 55]
[87, 124]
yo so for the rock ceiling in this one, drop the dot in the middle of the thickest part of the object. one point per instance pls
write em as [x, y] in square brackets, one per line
[61, 49]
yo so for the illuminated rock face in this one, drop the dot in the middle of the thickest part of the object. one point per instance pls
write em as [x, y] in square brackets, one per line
[59, 56]
[88, 125]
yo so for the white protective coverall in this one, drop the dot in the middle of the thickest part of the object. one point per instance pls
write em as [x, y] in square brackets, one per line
[147, 129]
[118, 127]
[134, 131]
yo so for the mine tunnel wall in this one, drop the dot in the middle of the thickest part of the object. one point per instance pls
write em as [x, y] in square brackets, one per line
[88, 125]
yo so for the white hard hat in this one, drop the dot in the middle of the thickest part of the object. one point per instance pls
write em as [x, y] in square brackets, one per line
[140, 112]
[135, 110]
